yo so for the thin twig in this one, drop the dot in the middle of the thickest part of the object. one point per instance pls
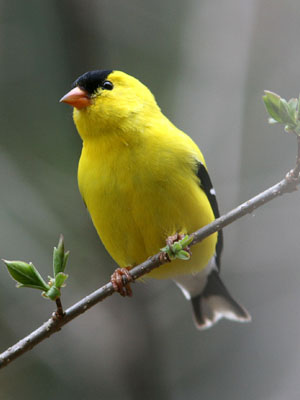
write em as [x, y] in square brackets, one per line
[59, 313]
[287, 185]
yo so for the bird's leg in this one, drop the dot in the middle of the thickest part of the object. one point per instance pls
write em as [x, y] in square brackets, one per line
[174, 238]
[170, 241]
[118, 284]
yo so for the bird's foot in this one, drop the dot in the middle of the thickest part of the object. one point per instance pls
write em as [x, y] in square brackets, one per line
[177, 247]
[169, 242]
[174, 238]
[118, 283]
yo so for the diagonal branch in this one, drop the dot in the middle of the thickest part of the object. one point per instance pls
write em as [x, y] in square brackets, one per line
[55, 323]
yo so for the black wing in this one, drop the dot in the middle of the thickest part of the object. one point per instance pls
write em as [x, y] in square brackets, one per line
[207, 187]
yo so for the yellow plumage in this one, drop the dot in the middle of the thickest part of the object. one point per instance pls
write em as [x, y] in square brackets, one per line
[139, 177]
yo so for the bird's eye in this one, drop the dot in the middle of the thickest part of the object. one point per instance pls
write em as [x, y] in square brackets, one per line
[107, 85]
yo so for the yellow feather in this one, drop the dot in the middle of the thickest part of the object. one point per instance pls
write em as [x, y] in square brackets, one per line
[137, 176]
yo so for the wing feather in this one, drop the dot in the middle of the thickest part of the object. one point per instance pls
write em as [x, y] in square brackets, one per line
[207, 187]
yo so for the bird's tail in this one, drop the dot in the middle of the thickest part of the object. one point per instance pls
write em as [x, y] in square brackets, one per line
[211, 301]
[214, 303]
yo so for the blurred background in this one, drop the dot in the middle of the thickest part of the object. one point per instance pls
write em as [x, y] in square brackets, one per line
[207, 62]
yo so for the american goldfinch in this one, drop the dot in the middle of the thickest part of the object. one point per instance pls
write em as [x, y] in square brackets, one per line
[143, 181]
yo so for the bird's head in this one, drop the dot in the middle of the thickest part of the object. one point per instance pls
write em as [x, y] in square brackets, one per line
[106, 100]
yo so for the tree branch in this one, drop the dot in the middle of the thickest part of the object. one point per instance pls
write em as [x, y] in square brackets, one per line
[56, 322]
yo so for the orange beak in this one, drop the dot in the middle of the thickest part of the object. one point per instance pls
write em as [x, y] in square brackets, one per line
[77, 98]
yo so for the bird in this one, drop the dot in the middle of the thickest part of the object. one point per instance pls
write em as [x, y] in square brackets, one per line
[145, 182]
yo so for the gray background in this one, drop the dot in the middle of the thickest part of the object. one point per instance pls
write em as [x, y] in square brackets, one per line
[207, 62]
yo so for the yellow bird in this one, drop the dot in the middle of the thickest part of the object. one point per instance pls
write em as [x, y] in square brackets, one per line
[143, 181]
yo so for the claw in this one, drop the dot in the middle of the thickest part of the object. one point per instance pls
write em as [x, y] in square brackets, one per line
[163, 257]
[174, 238]
[170, 242]
[118, 284]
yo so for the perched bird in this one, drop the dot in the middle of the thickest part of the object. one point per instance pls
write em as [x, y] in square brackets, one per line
[143, 181]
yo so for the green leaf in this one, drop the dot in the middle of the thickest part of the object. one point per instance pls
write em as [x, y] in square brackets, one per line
[60, 279]
[272, 103]
[293, 106]
[177, 249]
[186, 240]
[60, 257]
[53, 293]
[183, 255]
[286, 112]
[26, 275]
[66, 256]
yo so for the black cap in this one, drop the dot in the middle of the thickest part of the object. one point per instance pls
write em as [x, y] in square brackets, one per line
[92, 80]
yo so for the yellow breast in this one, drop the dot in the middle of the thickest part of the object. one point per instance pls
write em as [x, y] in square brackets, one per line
[139, 195]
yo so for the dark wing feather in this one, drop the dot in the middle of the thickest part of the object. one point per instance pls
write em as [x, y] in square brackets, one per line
[207, 187]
